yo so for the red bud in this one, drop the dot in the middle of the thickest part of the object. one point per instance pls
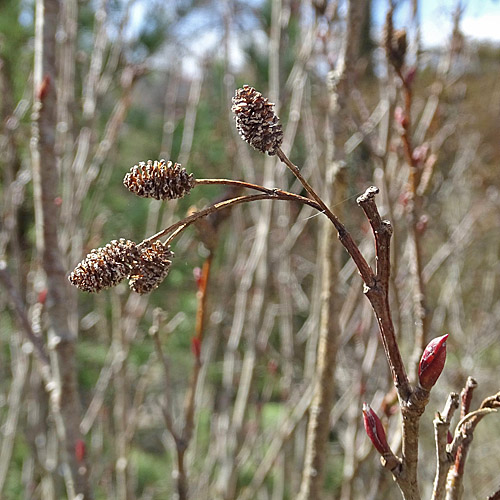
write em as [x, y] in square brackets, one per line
[198, 277]
[272, 366]
[44, 88]
[79, 450]
[42, 296]
[432, 362]
[196, 347]
[375, 430]
[400, 117]
[420, 153]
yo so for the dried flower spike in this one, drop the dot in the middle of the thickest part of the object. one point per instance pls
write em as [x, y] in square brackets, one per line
[159, 180]
[375, 430]
[105, 267]
[153, 266]
[432, 362]
[256, 120]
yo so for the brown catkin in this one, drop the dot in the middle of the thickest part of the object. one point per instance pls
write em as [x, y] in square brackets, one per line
[159, 180]
[256, 120]
[105, 267]
[152, 267]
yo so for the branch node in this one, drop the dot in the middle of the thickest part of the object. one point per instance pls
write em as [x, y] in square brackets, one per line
[368, 195]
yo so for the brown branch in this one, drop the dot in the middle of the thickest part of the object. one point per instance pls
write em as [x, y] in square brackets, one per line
[271, 194]
[345, 237]
[378, 292]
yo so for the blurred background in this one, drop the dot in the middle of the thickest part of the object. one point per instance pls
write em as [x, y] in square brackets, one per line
[149, 417]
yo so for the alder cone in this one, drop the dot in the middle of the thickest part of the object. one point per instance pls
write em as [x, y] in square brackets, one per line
[256, 120]
[152, 267]
[159, 180]
[105, 267]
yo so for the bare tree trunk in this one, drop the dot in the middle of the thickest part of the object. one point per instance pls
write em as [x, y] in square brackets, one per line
[64, 398]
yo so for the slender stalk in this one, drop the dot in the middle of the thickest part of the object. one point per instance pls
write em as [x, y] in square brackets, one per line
[270, 194]
[345, 237]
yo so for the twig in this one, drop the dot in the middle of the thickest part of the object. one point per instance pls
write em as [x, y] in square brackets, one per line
[441, 426]
[181, 225]
[378, 292]
[344, 236]
[464, 434]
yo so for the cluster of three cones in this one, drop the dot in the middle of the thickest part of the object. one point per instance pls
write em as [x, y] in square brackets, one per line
[146, 265]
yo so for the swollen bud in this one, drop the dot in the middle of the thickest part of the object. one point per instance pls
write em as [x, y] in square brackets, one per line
[375, 430]
[432, 362]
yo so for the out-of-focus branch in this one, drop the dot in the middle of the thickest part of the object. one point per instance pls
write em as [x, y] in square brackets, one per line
[46, 189]
[22, 318]
[395, 45]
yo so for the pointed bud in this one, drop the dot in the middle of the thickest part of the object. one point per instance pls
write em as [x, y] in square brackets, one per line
[375, 430]
[432, 362]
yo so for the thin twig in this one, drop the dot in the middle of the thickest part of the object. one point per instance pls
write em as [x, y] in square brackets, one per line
[181, 225]
[441, 426]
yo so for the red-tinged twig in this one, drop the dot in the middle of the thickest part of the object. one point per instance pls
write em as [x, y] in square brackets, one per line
[466, 396]
[464, 434]
[397, 60]
[189, 403]
[441, 428]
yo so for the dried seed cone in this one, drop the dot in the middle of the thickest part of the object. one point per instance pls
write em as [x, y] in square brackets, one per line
[105, 267]
[256, 121]
[152, 268]
[159, 180]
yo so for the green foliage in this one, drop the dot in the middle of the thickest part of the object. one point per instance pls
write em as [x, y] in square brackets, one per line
[153, 471]
[14, 487]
